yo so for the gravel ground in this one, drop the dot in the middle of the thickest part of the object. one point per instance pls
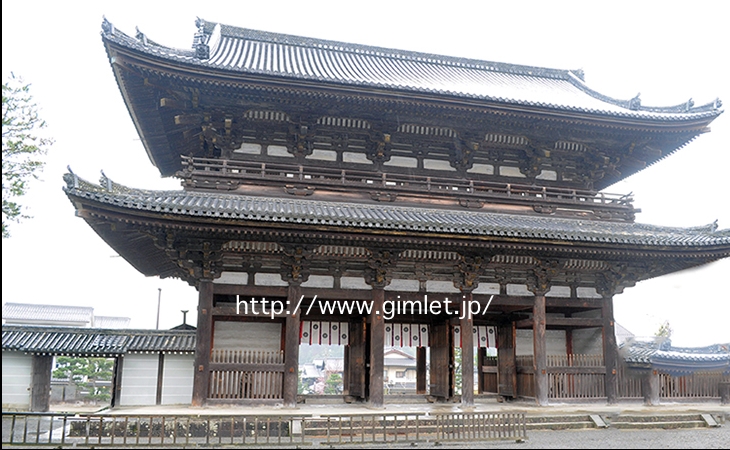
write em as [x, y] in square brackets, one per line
[708, 438]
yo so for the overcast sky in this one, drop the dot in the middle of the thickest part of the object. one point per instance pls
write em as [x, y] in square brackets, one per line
[668, 51]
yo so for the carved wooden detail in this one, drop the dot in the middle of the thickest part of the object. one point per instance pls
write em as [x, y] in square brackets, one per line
[378, 272]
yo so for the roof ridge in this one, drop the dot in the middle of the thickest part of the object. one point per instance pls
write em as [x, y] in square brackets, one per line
[349, 47]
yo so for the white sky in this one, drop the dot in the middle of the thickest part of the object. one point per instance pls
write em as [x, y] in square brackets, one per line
[668, 51]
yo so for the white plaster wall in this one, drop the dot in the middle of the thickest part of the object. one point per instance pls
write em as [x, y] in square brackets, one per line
[17, 371]
[139, 379]
[177, 379]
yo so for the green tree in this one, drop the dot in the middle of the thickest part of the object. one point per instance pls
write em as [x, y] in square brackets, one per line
[86, 373]
[22, 147]
[333, 385]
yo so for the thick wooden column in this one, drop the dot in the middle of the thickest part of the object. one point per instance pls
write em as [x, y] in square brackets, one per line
[466, 322]
[507, 361]
[40, 388]
[356, 356]
[610, 350]
[650, 387]
[291, 348]
[421, 370]
[117, 381]
[377, 348]
[346, 370]
[540, 350]
[204, 339]
[440, 346]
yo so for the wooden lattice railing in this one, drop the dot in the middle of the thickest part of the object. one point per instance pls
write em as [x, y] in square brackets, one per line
[303, 180]
[246, 374]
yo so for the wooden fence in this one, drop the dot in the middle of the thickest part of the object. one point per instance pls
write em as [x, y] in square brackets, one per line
[246, 374]
[43, 429]
[698, 385]
[583, 377]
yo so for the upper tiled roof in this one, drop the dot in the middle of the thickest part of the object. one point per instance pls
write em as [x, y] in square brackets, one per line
[388, 217]
[94, 342]
[232, 49]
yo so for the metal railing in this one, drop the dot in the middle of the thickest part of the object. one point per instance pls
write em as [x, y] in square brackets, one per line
[41, 429]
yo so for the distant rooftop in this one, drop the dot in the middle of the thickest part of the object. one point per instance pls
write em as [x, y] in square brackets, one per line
[59, 315]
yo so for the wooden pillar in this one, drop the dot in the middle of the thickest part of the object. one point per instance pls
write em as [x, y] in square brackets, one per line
[117, 381]
[346, 370]
[377, 348]
[160, 373]
[481, 375]
[204, 339]
[356, 356]
[507, 361]
[466, 322]
[724, 391]
[421, 370]
[610, 350]
[440, 346]
[650, 387]
[291, 348]
[40, 388]
[540, 350]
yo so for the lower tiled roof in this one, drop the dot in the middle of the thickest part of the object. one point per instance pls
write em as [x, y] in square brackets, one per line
[93, 341]
[660, 355]
[391, 217]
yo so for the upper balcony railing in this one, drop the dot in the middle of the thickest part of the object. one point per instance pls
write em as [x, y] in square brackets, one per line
[304, 180]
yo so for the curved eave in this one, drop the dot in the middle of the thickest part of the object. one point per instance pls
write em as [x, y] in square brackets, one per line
[696, 244]
[206, 74]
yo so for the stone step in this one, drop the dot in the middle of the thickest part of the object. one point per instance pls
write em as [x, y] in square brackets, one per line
[663, 425]
[655, 418]
[560, 425]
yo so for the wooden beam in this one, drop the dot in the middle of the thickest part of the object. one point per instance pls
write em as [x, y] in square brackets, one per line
[467, 352]
[563, 322]
[610, 350]
[540, 350]
[291, 349]
[376, 333]
[248, 367]
[204, 338]
[575, 370]
[166, 102]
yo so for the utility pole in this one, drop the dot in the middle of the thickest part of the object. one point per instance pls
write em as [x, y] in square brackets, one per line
[159, 299]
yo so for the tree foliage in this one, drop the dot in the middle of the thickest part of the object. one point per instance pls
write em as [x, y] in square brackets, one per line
[86, 373]
[22, 147]
[665, 330]
[333, 385]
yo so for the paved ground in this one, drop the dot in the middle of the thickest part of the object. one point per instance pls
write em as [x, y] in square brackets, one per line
[710, 438]
[493, 406]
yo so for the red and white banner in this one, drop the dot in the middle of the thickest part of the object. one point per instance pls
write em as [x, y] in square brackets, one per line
[484, 336]
[406, 335]
[323, 333]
